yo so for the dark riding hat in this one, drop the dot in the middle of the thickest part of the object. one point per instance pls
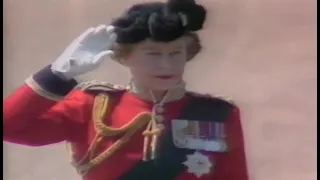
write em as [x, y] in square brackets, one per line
[159, 21]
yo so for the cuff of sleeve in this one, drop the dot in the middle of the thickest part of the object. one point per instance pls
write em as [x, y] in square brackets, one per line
[49, 85]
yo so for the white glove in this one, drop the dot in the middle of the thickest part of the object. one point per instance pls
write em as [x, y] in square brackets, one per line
[85, 53]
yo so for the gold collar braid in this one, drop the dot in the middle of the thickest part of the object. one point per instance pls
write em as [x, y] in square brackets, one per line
[176, 93]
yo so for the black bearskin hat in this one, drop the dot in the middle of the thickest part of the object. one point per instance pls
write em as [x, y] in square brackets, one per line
[158, 21]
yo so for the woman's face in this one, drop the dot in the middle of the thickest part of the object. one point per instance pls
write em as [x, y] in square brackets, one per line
[159, 66]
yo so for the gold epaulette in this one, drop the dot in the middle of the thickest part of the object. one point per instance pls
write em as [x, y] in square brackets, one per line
[99, 86]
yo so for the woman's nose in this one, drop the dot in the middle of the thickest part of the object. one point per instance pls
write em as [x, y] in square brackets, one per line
[165, 62]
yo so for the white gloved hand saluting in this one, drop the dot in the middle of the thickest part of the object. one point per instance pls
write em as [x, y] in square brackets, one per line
[85, 53]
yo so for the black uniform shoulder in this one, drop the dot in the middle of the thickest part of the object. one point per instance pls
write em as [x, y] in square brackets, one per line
[216, 100]
[210, 107]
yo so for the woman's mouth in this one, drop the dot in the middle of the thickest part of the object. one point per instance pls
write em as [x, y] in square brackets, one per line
[165, 77]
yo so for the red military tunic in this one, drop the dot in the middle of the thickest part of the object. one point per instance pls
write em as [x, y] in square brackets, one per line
[32, 118]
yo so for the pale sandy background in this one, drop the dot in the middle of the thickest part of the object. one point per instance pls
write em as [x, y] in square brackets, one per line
[260, 52]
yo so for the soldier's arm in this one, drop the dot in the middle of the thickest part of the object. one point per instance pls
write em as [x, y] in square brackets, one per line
[33, 116]
[233, 165]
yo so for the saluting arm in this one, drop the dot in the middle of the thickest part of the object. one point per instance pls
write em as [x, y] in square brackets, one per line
[233, 165]
[32, 115]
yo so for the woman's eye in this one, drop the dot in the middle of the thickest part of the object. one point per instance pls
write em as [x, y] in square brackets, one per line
[153, 53]
[174, 53]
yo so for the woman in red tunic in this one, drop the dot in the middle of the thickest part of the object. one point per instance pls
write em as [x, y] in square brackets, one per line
[151, 129]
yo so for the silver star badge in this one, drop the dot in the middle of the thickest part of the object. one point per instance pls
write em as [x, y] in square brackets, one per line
[198, 164]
